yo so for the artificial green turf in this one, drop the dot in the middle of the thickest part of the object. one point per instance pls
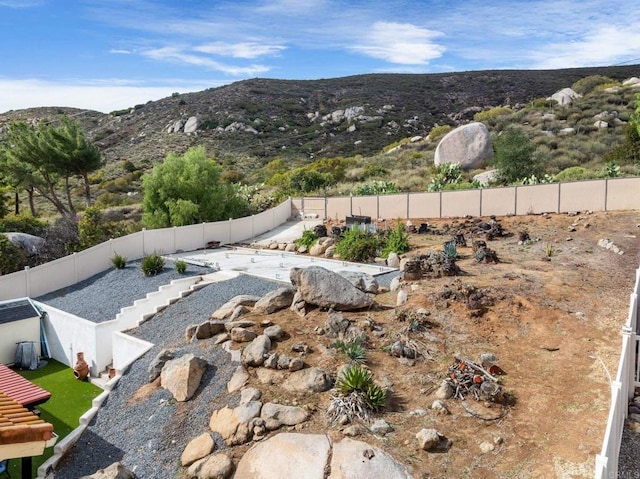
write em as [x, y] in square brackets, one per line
[69, 400]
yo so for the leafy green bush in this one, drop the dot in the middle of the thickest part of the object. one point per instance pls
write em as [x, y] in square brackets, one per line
[439, 131]
[22, 223]
[514, 156]
[376, 187]
[358, 245]
[89, 228]
[446, 174]
[587, 84]
[492, 114]
[308, 239]
[152, 264]
[181, 266]
[396, 241]
[119, 261]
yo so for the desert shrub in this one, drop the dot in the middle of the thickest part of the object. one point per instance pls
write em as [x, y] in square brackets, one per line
[439, 131]
[356, 378]
[22, 223]
[358, 245]
[514, 157]
[308, 239]
[373, 170]
[574, 173]
[376, 187]
[587, 84]
[12, 258]
[446, 173]
[128, 166]
[118, 261]
[181, 266]
[397, 240]
[353, 349]
[492, 114]
[152, 264]
[306, 181]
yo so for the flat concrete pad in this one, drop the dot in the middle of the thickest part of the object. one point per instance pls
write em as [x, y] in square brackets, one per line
[270, 264]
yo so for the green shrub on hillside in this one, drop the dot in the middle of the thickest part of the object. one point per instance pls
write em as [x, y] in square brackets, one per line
[514, 157]
[22, 223]
[396, 240]
[491, 114]
[376, 187]
[587, 84]
[439, 131]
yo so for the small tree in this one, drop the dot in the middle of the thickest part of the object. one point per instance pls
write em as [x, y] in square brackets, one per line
[187, 189]
[514, 157]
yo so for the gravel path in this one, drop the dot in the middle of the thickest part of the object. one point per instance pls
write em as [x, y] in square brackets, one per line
[629, 458]
[141, 425]
[101, 297]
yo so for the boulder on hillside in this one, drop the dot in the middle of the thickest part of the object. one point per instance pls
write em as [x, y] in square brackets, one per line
[326, 289]
[30, 244]
[256, 352]
[275, 300]
[191, 125]
[199, 447]
[182, 376]
[565, 96]
[372, 462]
[234, 425]
[468, 145]
[486, 177]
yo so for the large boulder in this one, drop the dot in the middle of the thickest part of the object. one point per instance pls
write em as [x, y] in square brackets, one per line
[564, 96]
[468, 145]
[274, 301]
[191, 125]
[182, 376]
[286, 455]
[216, 466]
[30, 244]
[356, 459]
[326, 289]
[486, 177]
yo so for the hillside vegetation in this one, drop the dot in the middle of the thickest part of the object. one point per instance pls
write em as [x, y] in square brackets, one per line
[367, 134]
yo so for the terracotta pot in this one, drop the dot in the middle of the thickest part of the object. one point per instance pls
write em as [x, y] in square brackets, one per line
[81, 369]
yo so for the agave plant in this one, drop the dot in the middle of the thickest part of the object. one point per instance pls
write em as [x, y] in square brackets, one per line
[353, 349]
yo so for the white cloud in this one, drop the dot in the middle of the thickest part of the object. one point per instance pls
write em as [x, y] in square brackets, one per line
[120, 51]
[239, 50]
[101, 95]
[178, 55]
[604, 46]
[401, 43]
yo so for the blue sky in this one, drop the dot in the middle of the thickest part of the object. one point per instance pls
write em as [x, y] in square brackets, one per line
[113, 54]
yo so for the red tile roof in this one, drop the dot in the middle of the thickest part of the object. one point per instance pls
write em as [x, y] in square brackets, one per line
[19, 425]
[19, 389]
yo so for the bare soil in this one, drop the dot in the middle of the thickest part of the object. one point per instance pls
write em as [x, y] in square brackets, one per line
[557, 304]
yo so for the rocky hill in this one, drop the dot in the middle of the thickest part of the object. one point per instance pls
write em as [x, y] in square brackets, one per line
[266, 118]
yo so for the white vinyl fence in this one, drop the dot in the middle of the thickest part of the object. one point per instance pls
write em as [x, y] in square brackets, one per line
[622, 390]
[63, 272]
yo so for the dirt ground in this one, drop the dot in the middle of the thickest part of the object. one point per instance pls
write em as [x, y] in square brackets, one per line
[556, 306]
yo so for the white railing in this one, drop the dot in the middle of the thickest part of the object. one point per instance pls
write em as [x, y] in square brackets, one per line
[622, 390]
[63, 272]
